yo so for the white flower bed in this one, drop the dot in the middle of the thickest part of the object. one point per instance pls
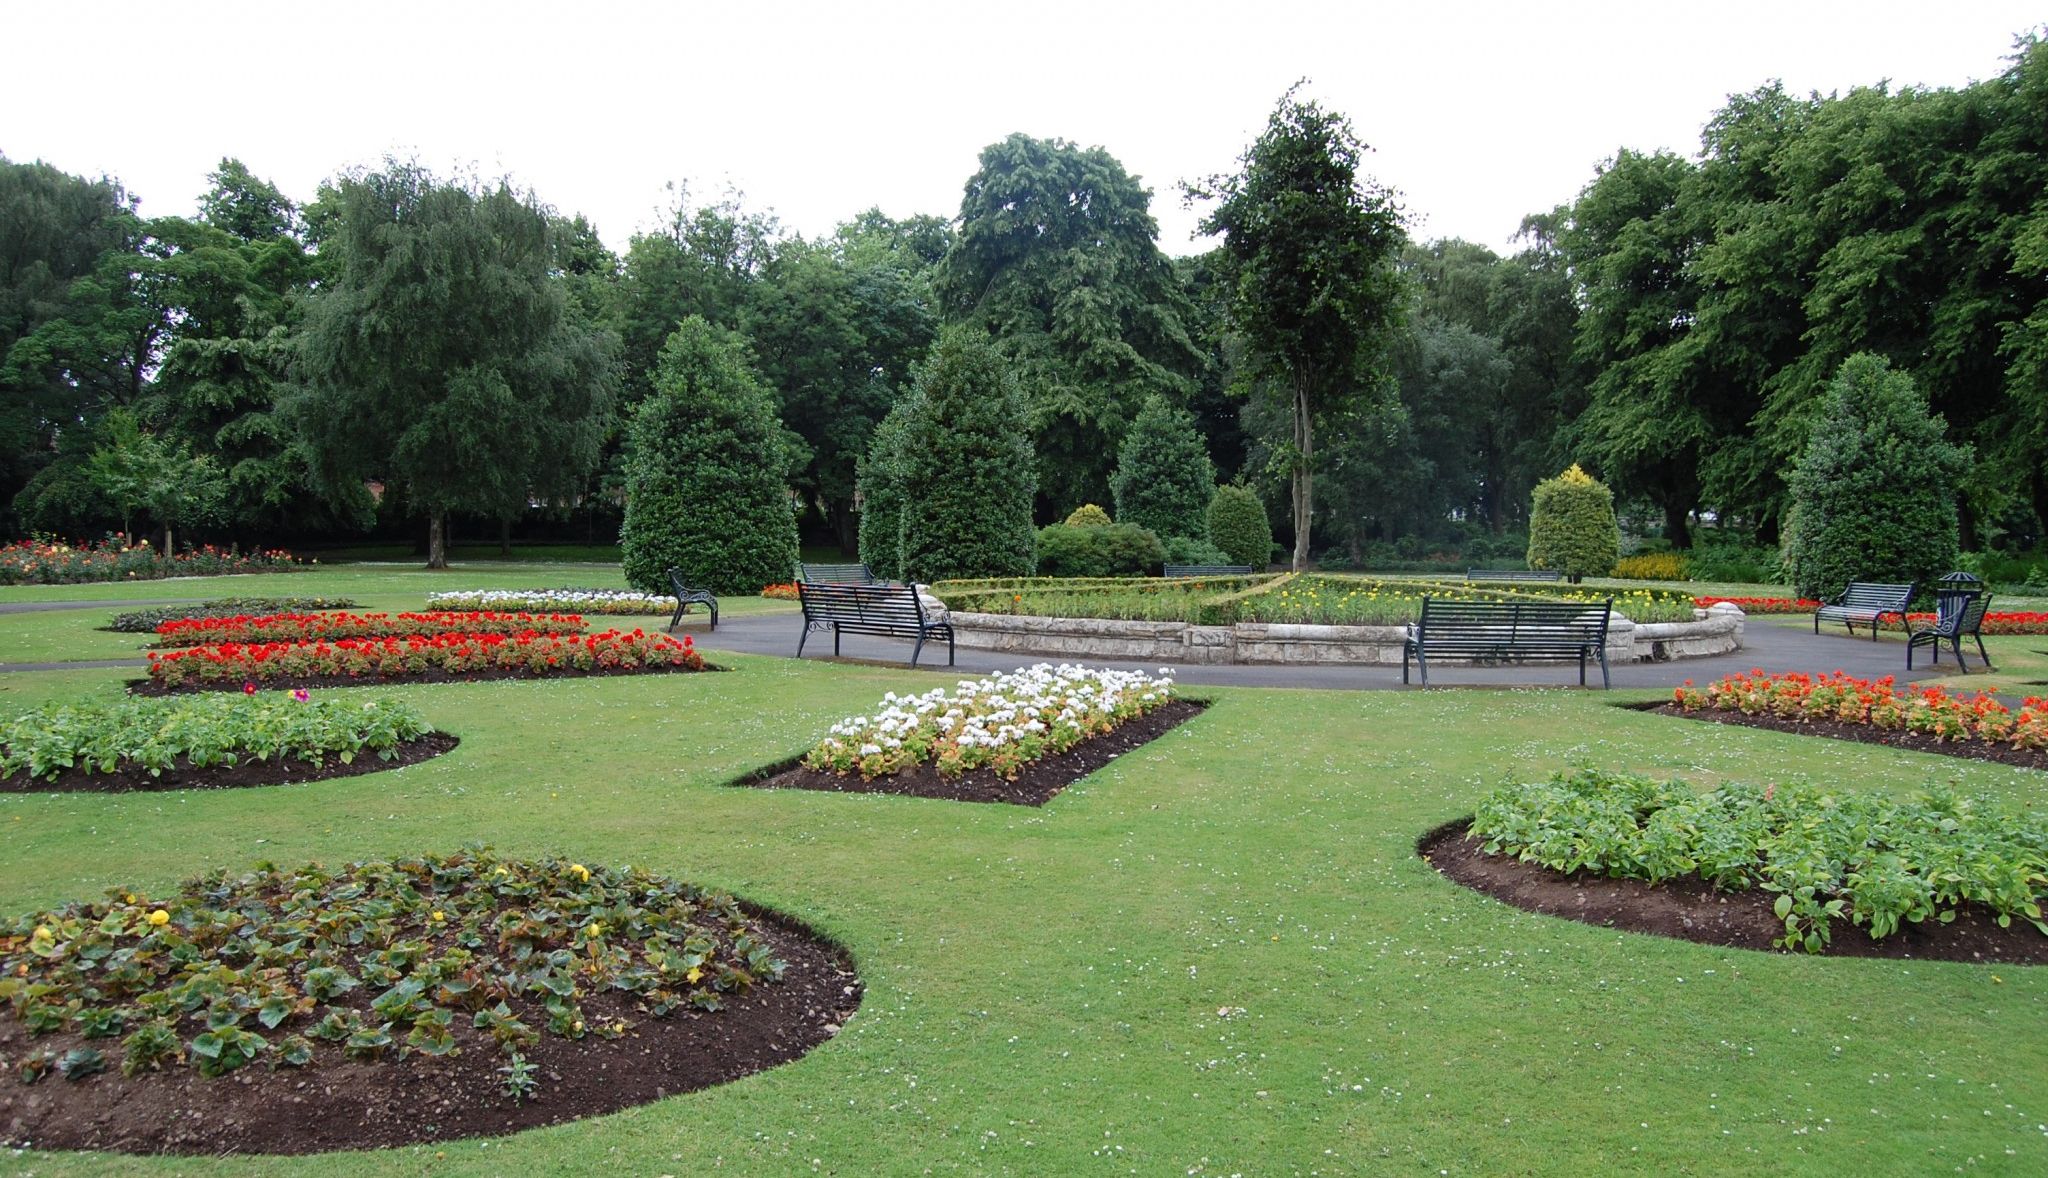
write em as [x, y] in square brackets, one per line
[1001, 723]
[582, 601]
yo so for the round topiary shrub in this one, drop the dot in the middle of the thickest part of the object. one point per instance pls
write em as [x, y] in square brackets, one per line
[1164, 479]
[1088, 515]
[1238, 526]
[1572, 527]
[1117, 550]
[967, 466]
[705, 467]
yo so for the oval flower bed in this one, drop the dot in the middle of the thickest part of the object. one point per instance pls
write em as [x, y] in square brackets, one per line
[409, 1000]
[1763, 605]
[1021, 736]
[1943, 875]
[145, 621]
[1876, 711]
[419, 657]
[245, 628]
[582, 601]
[209, 742]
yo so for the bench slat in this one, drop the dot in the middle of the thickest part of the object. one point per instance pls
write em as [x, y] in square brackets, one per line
[1508, 629]
[849, 607]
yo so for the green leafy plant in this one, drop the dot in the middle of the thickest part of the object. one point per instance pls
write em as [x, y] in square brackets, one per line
[1572, 527]
[119, 735]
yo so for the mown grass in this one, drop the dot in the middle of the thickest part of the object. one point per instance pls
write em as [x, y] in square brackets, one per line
[1218, 955]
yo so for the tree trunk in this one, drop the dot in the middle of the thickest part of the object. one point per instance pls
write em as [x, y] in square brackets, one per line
[167, 549]
[1675, 527]
[437, 539]
[1304, 489]
[504, 537]
[846, 526]
[1966, 524]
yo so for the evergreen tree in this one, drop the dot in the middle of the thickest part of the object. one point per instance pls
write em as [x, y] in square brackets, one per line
[1164, 479]
[883, 494]
[1572, 527]
[967, 466]
[1238, 526]
[1874, 496]
[706, 472]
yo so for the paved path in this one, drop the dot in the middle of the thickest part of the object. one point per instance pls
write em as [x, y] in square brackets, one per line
[1789, 645]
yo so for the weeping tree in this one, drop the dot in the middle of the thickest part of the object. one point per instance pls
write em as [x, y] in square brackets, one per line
[439, 354]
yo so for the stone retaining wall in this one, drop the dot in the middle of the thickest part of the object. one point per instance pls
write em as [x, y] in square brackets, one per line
[1713, 631]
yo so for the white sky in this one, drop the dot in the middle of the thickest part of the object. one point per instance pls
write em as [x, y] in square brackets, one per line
[1479, 112]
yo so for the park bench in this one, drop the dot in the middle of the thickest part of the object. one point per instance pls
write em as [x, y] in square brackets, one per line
[687, 597]
[1512, 575]
[893, 611]
[1957, 616]
[1208, 570]
[837, 574]
[1508, 631]
[1867, 602]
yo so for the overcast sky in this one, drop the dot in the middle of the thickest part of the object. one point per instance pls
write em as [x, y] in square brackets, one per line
[1478, 113]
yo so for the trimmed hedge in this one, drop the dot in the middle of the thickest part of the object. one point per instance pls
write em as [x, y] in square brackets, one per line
[1572, 527]
[1239, 528]
[1113, 550]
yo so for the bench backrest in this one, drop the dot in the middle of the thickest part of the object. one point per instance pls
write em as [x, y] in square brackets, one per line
[855, 574]
[1513, 575]
[848, 604]
[1565, 627]
[1960, 613]
[1877, 595]
[1208, 570]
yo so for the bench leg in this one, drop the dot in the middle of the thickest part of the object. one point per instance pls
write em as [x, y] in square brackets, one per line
[677, 620]
[1981, 652]
[1582, 666]
[803, 638]
[714, 615]
[835, 642]
[949, 647]
[915, 647]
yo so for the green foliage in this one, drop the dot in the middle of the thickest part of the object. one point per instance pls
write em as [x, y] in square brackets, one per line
[204, 731]
[140, 471]
[967, 469]
[1164, 479]
[1088, 515]
[706, 487]
[884, 494]
[1238, 526]
[145, 621]
[1188, 550]
[1572, 527]
[1873, 498]
[1880, 862]
[1105, 550]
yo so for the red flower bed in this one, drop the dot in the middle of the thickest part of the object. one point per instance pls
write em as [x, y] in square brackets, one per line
[1764, 605]
[1879, 703]
[392, 658]
[781, 591]
[306, 627]
[2011, 621]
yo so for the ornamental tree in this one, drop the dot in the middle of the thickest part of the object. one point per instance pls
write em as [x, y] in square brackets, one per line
[967, 466]
[1873, 498]
[1572, 527]
[1164, 479]
[706, 472]
[1238, 526]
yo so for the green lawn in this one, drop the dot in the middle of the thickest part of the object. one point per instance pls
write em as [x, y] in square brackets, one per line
[1044, 986]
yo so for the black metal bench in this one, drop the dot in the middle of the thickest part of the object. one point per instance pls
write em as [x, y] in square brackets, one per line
[1868, 602]
[1957, 616]
[894, 611]
[1208, 570]
[837, 574]
[1508, 631]
[1513, 575]
[687, 597]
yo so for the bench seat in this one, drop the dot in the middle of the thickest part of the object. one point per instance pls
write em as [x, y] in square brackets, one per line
[890, 611]
[1867, 603]
[1508, 631]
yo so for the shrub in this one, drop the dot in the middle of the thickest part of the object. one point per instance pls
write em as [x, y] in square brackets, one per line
[705, 467]
[1572, 527]
[880, 476]
[1651, 566]
[1088, 515]
[1164, 479]
[1118, 550]
[1188, 550]
[1716, 556]
[1238, 526]
[1873, 498]
[967, 465]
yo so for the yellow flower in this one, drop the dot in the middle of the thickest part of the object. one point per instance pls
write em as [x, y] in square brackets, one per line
[581, 872]
[159, 918]
[694, 973]
[438, 916]
[593, 930]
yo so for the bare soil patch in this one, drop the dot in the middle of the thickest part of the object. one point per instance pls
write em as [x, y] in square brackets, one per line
[313, 682]
[246, 773]
[1691, 910]
[1037, 784]
[348, 1104]
[1919, 742]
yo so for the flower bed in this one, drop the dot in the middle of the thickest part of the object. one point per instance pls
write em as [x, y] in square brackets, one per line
[1763, 605]
[1000, 723]
[1825, 855]
[783, 591]
[1878, 703]
[126, 742]
[275, 628]
[1995, 621]
[247, 665]
[506, 973]
[582, 601]
[49, 562]
[145, 621]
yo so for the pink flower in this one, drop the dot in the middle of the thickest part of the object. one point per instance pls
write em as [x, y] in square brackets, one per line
[249, 687]
[301, 694]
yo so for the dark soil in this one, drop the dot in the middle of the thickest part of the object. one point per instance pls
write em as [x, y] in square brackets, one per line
[247, 773]
[1036, 785]
[338, 1103]
[313, 682]
[1691, 910]
[1919, 742]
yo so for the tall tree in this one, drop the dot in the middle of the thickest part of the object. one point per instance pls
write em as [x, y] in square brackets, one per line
[1311, 244]
[1058, 261]
[966, 463]
[441, 355]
